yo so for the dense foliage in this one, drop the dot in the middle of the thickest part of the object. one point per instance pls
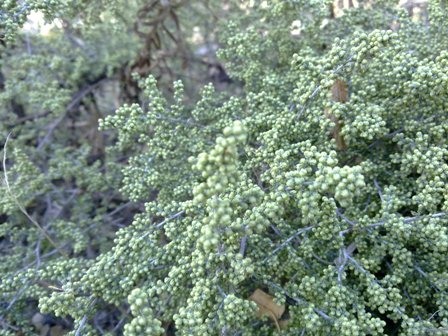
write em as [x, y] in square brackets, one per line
[307, 196]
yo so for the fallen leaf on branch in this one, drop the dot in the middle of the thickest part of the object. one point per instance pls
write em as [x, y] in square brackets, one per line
[339, 93]
[267, 306]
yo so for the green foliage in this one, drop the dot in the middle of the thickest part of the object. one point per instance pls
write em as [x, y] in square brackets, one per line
[253, 190]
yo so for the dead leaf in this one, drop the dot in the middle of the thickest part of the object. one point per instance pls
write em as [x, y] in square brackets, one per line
[339, 93]
[283, 324]
[267, 306]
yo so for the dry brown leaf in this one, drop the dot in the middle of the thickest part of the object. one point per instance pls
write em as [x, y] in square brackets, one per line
[339, 93]
[267, 306]
[283, 324]
[266, 303]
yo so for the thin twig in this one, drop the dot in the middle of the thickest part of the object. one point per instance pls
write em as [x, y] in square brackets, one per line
[84, 319]
[340, 214]
[76, 99]
[158, 226]
[287, 241]
[380, 193]
[243, 245]
[318, 88]
[17, 296]
[407, 220]
[301, 301]
[20, 206]
[121, 320]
